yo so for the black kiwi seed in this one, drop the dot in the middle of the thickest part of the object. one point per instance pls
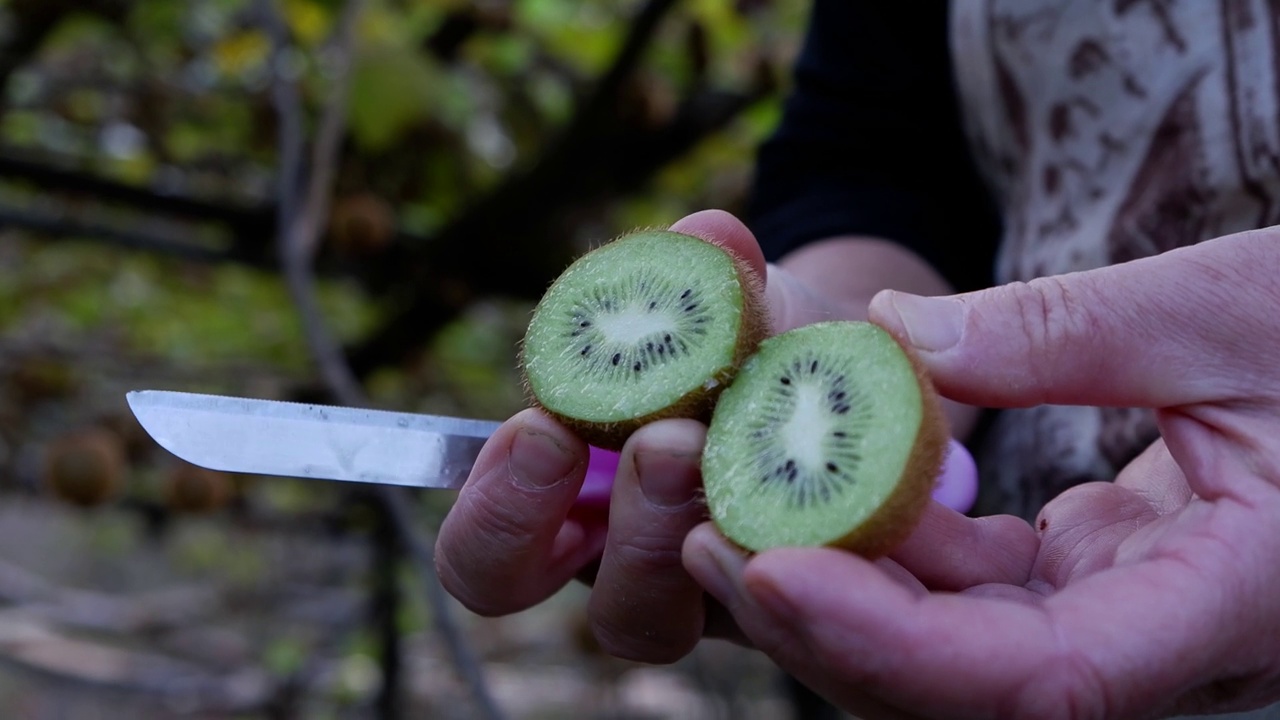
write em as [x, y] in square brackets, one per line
[668, 319]
[856, 417]
[685, 308]
[807, 485]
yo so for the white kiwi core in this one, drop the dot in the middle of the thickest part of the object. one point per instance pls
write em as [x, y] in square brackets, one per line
[635, 326]
[812, 437]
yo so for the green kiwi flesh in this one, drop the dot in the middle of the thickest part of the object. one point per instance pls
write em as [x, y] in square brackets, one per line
[831, 434]
[651, 325]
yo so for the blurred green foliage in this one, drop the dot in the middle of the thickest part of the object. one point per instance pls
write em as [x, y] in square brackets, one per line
[177, 96]
[448, 99]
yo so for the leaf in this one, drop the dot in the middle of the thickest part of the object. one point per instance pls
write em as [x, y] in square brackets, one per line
[308, 21]
[241, 53]
[390, 92]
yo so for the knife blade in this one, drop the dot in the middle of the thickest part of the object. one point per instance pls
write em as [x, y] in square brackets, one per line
[271, 437]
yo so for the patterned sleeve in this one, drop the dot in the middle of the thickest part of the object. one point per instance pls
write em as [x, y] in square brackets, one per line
[871, 143]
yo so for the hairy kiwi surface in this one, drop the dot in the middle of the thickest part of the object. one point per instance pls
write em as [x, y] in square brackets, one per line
[649, 326]
[831, 434]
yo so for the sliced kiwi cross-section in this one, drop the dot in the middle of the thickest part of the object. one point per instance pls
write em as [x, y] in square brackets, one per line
[830, 435]
[651, 325]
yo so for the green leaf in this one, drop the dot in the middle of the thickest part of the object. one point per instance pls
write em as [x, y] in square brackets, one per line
[390, 92]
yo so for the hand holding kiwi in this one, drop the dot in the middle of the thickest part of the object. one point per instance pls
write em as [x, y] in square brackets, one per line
[1154, 595]
[517, 534]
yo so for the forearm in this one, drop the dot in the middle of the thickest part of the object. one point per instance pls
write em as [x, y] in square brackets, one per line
[835, 279]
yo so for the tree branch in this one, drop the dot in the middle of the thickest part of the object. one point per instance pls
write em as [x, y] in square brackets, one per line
[511, 241]
[71, 182]
[640, 35]
[299, 223]
[299, 218]
[68, 227]
[385, 610]
[517, 238]
[33, 20]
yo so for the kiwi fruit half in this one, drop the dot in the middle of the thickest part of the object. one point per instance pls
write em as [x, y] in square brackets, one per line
[649, 326]
[831, 434]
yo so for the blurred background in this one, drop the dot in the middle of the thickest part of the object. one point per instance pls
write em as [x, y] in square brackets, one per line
[349, 201]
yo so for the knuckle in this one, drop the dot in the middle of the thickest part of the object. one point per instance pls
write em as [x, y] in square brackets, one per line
[503, 526]
[470, 590]
[645, 626]
[1062, 313]
[649, 553]
[1037, 302]
[483, 557]
[642, 644]
[645, 606]
[1052, 318]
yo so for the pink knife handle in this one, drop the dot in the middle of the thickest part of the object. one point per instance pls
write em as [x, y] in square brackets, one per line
[957, 486]
[597, 486]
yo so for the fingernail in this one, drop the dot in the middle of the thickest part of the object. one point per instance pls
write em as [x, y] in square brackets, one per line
[932, 324]
[667, 480]
[537, 460]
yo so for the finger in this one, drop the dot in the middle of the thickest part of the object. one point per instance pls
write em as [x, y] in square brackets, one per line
[836, 621]
[725, 230]
[791, 303]
[719, 624]
[1157, 479]
[506, 545]
[719, 566]
[1188, 326]
[948, 551]
[644, 605]
[1081, 530]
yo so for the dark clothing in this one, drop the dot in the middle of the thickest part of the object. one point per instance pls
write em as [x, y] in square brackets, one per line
[871, 143]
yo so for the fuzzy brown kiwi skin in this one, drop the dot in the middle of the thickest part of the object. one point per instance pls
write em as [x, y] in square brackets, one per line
[901, 512]
[697, 404]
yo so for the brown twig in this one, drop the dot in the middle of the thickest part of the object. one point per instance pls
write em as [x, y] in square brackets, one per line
[301, 217]
[300, 225]
[422, 551]
[385, 609]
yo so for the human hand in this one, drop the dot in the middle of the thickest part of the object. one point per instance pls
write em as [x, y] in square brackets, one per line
[515, 536]
[1153, 595]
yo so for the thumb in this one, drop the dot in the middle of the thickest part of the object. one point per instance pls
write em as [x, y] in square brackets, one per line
[1192, 325]
[721, 228]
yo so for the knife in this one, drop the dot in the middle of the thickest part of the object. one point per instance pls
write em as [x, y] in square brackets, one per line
[325, 442]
